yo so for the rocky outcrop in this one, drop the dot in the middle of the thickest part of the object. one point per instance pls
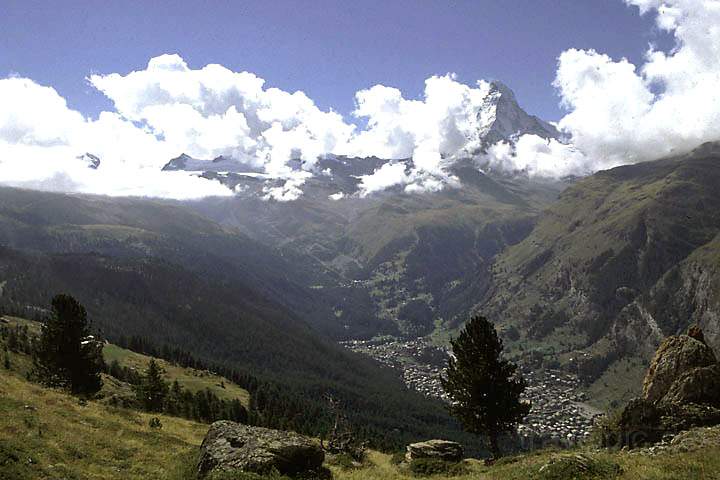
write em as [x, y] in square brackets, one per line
[699, 385]
[681, 391]
[436, 449]
[232, 446]
[677, 355]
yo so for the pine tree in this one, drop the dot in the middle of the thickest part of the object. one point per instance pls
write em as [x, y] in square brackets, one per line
[174, 399]
[485, 389]
[152, 389]
[66, 354]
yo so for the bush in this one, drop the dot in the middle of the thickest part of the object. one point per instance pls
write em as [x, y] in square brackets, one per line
[17, 464]
[155, 423]
[424, 467]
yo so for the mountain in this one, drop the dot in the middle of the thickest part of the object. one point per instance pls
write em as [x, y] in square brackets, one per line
[415, 262]
[622, 259]
[218, 164]
[92, 161]
[159, 271]
[500, 118]
[503, 119]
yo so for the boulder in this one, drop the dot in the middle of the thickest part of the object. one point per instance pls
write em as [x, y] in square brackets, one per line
[677, 354]
[436, 449]
[699, 385]
[640, 423]
[232, 446]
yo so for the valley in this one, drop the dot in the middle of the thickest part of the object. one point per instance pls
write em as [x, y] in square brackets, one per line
[559, 414]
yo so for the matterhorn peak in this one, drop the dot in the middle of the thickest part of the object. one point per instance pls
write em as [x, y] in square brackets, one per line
[504, 120]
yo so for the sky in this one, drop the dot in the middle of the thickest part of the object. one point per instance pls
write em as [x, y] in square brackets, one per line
[268, 83]
[328, 49]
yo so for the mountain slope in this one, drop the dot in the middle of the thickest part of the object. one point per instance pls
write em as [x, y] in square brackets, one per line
[135, 228]
[597, 279]
[380, 254]
[164, 273]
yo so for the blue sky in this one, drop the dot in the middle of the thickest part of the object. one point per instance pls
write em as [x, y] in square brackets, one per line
[328, 49]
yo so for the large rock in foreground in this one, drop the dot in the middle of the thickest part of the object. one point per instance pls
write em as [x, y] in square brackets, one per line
[232, 446]
[681, 391]
[699, 386]
[437, 449]
[676, 355]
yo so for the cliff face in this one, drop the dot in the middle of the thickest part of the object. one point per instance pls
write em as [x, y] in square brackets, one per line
[689, 291]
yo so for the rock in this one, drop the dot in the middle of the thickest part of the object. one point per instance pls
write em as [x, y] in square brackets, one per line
[676, 355]
[439, 449]
[639, 424]
[699, 385]
[232, 446]
[644, 423]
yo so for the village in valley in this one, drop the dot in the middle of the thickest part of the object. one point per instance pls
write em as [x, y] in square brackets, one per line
[558, 415]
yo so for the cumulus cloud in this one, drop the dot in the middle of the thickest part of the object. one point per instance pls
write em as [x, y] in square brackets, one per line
[449, 121]
[617, 113]
[41, 139]
[214, 111]
[623, 113]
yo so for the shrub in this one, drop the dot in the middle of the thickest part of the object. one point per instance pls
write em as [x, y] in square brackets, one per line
[155, 423]
[607, 432]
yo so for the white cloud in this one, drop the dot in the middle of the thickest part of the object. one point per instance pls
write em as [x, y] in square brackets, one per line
[289, 189]
[214, 111]
[41, 138]
[617, 113]
[622, 113]
[447, 122]
[388, 175]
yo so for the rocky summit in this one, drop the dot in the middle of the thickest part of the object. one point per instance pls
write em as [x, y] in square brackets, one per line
[230, 446]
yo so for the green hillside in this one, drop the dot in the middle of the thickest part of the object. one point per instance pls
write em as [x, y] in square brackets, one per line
[46, 434]
[188, 378]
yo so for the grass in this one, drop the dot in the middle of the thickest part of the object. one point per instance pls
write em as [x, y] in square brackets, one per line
[188, 378]
[48, 434]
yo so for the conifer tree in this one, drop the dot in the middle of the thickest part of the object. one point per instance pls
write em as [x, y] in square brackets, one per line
[66, 355]
[484, 388]
[152, 389]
